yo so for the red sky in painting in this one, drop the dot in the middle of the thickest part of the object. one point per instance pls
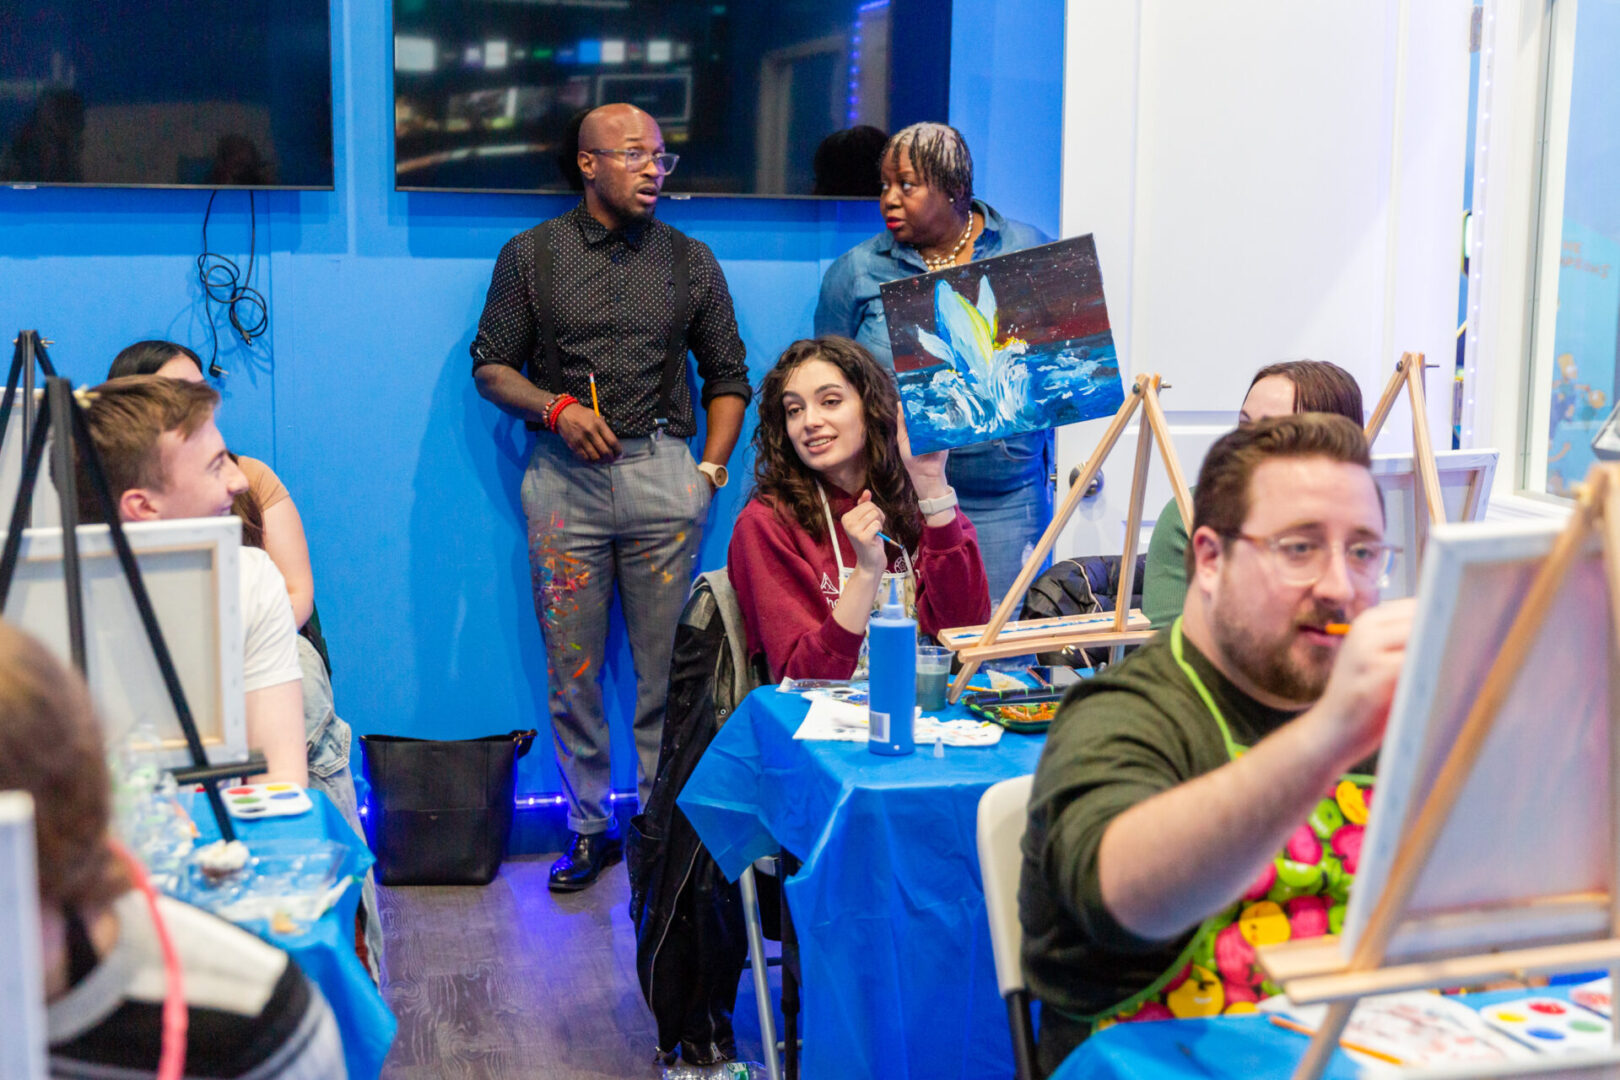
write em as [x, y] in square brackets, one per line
[1043, 295]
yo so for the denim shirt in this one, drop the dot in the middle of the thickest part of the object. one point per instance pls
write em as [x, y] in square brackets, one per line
[852, 306]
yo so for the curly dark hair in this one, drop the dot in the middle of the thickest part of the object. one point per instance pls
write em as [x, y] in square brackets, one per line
[782, 479]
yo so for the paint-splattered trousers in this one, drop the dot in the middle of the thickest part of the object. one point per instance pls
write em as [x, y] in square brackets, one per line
[636, 524]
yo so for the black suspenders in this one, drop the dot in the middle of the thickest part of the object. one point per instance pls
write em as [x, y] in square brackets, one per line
[675, 357]
[542, 285]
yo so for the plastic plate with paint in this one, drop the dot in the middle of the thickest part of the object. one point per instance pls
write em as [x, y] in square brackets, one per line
[1594, 995]
[1025, 710]
[266, 800]
[295, 879]
[1548, 1025]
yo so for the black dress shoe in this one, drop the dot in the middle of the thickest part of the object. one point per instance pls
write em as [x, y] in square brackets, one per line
[588, 855]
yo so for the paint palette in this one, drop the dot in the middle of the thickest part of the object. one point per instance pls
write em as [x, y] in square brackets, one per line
[1549, 1025]
[266, 800]
[1024, 710]
[1593, 995]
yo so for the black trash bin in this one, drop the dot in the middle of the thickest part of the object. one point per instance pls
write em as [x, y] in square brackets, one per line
[441, 810]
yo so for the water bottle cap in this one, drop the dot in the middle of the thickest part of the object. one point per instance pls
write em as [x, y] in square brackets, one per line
[893, 608]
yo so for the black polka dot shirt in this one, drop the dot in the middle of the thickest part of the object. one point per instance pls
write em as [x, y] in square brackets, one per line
[614, 297]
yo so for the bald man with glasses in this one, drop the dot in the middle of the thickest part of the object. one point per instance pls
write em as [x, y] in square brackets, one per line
[585, 336]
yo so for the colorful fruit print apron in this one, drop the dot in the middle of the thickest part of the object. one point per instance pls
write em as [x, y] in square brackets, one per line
[1301, 894]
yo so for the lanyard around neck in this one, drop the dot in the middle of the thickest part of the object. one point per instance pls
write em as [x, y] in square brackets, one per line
[1232, 748]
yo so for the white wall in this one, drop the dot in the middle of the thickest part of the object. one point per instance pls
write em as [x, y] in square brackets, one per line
[1239, 164]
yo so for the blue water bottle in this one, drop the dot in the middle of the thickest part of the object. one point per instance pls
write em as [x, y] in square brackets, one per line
[892, 663]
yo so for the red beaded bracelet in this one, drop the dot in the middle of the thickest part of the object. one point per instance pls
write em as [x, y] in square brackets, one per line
[558, 404]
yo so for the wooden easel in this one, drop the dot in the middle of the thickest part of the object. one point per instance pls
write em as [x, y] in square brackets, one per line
[1123, 626]
[1409, 374]
[1313, 971]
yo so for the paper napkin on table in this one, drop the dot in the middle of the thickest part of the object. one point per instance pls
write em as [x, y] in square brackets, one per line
[841, 721]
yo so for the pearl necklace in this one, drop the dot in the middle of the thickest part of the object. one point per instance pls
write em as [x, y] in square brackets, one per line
[943, 261]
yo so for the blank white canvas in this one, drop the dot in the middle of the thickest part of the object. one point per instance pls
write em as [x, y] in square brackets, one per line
[191, 568]
[1582, 1065]
[1533, 819]
[1398, 481]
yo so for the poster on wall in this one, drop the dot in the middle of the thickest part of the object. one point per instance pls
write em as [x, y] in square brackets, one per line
[1003, 347]
[1584, 337]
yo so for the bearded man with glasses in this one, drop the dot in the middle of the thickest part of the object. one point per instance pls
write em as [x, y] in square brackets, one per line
[585, 335]
[1207, 795]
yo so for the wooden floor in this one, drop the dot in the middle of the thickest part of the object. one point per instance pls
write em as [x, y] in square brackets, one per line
[514, 981]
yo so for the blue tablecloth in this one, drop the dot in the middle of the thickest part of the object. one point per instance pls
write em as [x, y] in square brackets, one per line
[894, 942]
[326, 952]
[1240, 1047]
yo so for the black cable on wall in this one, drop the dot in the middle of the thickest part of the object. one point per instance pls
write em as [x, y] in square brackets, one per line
[223, 283]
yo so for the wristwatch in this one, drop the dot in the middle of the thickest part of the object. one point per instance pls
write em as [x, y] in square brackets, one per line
[717, 474]
[939, 505]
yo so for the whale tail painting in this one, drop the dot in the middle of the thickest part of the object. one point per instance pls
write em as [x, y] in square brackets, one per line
[986, 383]
[969, 371]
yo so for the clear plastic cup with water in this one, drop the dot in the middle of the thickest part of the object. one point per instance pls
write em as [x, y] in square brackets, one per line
[933, 677]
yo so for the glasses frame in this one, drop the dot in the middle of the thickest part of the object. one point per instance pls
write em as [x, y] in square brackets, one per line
[1272, 542]
[659, 158]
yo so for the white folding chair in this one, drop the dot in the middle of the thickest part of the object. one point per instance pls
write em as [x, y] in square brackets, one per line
[758, 962]
[1003, 813]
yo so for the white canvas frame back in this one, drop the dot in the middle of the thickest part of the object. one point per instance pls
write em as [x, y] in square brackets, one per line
[1530, 823]
[193, 575]
[1462, 472]
[1583, 1065]
[47, 511]
[22, 979]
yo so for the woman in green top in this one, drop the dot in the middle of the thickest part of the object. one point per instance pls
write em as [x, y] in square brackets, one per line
[1294, 386]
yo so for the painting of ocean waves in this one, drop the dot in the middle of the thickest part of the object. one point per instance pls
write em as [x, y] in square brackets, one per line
[1003, 346]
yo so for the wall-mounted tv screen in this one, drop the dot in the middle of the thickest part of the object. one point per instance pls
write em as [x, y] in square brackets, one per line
[747, 92]
[166, 93]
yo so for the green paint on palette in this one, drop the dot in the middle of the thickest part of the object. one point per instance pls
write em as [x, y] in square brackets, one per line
[1585, 1025]
[246, 800]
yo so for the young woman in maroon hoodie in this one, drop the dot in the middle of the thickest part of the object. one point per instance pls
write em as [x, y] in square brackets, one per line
[833, 469]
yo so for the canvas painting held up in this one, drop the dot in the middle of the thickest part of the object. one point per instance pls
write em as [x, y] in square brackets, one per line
[1003, 347]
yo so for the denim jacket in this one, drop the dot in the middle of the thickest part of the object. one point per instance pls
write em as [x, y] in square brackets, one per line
[852, 306]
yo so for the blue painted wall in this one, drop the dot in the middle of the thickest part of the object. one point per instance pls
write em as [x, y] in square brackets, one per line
[359, 394]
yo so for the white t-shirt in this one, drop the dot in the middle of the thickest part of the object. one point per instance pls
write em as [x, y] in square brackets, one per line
[269, 636]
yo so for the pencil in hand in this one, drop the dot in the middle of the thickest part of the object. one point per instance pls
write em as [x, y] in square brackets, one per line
[596, 406]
